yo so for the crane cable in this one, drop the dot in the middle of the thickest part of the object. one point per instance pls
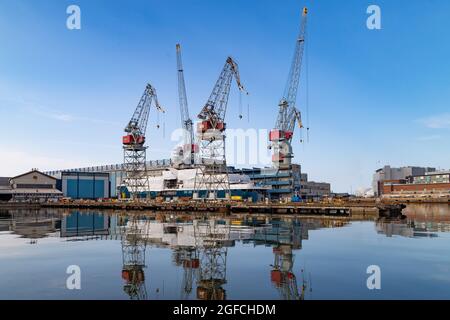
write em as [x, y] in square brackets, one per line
[240, 104]
[307, 84]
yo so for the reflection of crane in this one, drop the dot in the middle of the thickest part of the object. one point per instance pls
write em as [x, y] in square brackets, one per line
[133, 254]
[288, 115]
[212, 174]
[282, 275]
[188, 258]
[133, 144]
[184, 154]
[210, 237]
[286, 236]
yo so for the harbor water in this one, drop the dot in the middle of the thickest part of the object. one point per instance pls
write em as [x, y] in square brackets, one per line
[76, 254]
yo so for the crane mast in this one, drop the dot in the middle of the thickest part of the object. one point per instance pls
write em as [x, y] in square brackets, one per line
[186, 153]
[134, 243]
[288, 114]
[212, 174]
[136, 179]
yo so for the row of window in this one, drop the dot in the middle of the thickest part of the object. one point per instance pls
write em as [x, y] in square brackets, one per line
[34, 186]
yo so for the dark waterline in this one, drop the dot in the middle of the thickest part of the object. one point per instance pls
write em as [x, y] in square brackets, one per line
[223, 257]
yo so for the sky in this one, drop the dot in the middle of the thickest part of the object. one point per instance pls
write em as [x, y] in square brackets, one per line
[369, 97]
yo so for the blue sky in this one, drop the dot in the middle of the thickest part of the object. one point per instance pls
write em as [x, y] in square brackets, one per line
[375, 96]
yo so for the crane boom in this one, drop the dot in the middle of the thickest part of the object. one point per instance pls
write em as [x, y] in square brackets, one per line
[186, 121]
[216, 107]
[288, 101]
[137, 126]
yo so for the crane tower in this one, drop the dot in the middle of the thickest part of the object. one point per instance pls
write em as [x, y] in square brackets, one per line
[185, 154]
[134, 149]
[281, 136]
[212, 174]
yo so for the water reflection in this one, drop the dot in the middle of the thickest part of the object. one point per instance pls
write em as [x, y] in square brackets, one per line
[426, 220]
[200, 245]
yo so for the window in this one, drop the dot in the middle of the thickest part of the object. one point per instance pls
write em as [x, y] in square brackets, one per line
[34, 186]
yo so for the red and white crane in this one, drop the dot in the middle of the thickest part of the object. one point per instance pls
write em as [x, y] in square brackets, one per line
[288, 114]
[136, 179]
[212, 174]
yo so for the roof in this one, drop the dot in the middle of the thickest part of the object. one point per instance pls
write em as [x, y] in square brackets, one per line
[33, 171]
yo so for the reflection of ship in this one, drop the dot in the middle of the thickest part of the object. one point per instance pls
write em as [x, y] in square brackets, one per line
[133, 254]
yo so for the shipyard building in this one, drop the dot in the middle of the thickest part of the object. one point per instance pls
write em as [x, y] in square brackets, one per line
[388, 173]
[33, 186]
[251, 184]
[411, 182]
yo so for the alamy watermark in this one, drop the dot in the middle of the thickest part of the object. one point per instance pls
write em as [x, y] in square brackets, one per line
[243, 147]
[374, 280]
[374, 20]
[73, 281]
[73, 21]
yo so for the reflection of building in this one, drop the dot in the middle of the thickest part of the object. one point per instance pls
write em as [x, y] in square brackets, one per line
[394, 229]
[290, 232]
[33, 186]
[34, 225]
[85, 224]
[411, 228]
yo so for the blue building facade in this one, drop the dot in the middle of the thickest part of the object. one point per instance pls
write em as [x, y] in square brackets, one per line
[85, 185]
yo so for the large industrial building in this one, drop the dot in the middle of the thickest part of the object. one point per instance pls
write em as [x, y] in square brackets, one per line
[33, 186]
[430, 185]
[388, 173]
[253, 184]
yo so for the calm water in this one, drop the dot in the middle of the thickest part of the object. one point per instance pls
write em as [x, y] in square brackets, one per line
[184, 257]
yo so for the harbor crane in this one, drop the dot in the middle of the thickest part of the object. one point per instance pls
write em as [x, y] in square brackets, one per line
[134, 148]
[185, 154]
[212, 173]
[134, 243]
[288, 114]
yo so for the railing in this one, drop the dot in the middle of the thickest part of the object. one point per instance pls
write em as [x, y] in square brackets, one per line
[113, 167]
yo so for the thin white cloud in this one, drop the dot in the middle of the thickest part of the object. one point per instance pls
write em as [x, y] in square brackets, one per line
[429, 138]
[50, 113]
[66, 117]
[16, 162]
[441, 121]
